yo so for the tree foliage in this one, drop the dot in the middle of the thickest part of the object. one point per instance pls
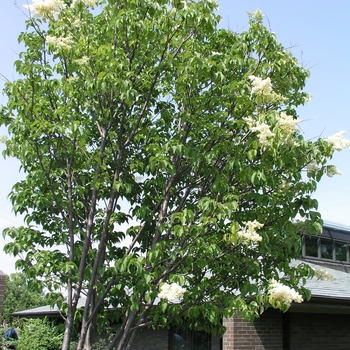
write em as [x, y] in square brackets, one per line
[159, 152]
[39, 334]
[19, 296]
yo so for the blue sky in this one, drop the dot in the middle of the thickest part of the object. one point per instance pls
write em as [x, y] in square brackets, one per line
[318, 34]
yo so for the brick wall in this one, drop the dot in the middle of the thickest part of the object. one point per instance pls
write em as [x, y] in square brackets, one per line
[2, 290]
[291, 331]
[151, 340]
[159, 340]
[266, 333]
[318, 331]
[274, 330]
[228, 338]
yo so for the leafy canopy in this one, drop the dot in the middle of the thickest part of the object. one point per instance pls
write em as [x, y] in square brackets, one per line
[19, 296]
[161, 154]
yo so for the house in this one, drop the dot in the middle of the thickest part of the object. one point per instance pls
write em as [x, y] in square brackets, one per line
[322, 323]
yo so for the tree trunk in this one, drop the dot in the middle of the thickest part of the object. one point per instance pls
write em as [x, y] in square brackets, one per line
[67, 332]
[87, 345]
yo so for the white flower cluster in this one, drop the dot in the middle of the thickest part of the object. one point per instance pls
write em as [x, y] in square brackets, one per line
[72, 79]
[287, 123]
[262, 86]
[76, 23]
[284, 122]
[337, 141]
[258, 15]
[171, 291]
[323, 275]
[90, 3]
[47, 9]
[58, 43]
[280, 293]
[262, 129]
[82, 61]
[248, 233]
[285, 186]
[312, 166]
[3, 138]
[333, 170]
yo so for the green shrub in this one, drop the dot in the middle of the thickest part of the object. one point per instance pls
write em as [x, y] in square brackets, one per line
[39, 334]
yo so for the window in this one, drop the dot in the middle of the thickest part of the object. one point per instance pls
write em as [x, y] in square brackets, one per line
[183, 339]
[326, 249]
[311, 246]
[341, 251]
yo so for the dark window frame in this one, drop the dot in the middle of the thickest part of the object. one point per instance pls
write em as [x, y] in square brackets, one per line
[346, 251]
[339, 238]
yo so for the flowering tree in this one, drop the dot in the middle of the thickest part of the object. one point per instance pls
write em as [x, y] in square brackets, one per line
[163, 164]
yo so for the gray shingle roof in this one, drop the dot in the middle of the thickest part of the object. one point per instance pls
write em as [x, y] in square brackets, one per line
[43, 311]
[339, 288]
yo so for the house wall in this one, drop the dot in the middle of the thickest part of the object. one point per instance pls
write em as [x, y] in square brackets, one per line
[152, 340]
[274, 330]
[290, 331]
[266, 333]
[318, 331]
[159, 340]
